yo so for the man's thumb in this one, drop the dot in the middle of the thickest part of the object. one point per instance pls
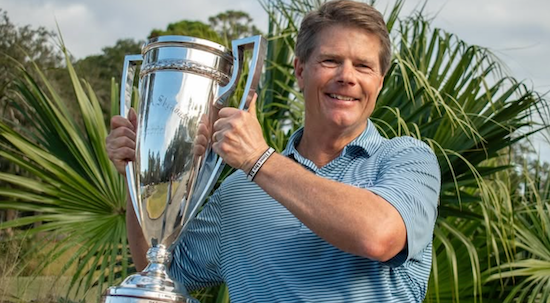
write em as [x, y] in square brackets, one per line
[252, 105]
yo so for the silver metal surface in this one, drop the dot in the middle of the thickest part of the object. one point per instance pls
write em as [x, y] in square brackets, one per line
[151, 285]
[183, 81]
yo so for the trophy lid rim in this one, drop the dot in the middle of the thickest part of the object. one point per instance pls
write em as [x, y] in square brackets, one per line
[175, 39]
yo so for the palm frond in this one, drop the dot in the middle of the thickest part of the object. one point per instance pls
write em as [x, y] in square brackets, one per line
[73, 189]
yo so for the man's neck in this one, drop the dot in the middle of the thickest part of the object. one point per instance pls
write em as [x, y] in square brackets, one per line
[321, 147]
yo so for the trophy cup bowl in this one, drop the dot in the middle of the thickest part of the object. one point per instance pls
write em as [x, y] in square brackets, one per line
[183, 81]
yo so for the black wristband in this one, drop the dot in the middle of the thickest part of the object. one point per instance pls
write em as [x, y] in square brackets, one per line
[260, 163]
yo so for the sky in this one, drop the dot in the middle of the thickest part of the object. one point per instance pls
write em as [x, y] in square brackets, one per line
[517, 31]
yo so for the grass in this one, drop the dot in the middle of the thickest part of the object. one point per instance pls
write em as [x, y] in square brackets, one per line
[41, 289]
[35, 289]
[18, 279]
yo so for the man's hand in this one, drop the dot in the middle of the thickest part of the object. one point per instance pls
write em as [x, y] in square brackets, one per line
[238, 137]
[121, 141]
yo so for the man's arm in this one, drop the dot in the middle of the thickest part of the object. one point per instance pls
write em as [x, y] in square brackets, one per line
[353, 219]
[136, 240]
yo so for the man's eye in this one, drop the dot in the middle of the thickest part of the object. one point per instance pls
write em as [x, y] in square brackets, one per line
[363, 67]
[329, 62]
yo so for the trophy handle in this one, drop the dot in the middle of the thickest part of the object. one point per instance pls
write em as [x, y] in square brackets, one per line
[259, 47]
[258, 44]
[128, 72]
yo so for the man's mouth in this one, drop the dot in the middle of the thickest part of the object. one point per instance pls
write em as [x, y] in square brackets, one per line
[340, 97]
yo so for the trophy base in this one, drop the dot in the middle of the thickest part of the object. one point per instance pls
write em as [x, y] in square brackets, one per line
[121, 294]
[152, 285]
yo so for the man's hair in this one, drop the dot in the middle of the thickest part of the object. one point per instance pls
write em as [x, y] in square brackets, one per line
[347, 13]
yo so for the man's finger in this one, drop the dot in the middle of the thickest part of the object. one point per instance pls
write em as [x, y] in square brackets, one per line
[132, 116]
[119, 133]
[119, 121]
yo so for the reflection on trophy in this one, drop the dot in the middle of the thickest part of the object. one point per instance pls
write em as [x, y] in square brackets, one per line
[183, 81]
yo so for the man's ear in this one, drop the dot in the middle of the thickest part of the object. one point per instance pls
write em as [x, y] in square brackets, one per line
[298, 72]
[381, 84]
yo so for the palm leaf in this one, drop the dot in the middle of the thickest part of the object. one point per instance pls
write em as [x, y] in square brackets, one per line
[530, 269]
[74, 190]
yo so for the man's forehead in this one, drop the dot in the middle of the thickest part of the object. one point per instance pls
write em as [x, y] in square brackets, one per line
[335, 53]
[323, 50]
[345, 31]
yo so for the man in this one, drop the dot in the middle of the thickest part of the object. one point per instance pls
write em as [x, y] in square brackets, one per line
[343, 214]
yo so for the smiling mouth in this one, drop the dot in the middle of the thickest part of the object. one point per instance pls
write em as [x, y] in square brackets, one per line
[342, 98]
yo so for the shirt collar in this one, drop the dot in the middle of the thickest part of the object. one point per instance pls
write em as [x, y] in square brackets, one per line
[369, 141]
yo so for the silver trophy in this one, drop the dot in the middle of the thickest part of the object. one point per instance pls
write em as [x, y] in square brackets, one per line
[183, 82]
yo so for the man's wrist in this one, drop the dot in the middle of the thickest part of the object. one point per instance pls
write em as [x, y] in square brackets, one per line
[259, 163]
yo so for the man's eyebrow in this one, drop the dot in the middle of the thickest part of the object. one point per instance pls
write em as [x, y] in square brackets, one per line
[367, 60]
[328, 54]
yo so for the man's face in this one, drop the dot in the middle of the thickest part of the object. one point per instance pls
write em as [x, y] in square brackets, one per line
[341, 79]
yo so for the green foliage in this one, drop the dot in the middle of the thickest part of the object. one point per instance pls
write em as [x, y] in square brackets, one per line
[491, 238]
[77, 194]
[450, 95]
[27, 46]
[100, 69]
[231, 25]
[280, 104]
[189, 28]
[454, 97]
[526, 276]
[11, 250]
[21, 46]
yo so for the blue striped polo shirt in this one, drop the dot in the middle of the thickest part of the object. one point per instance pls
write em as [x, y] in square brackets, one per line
[247, 239]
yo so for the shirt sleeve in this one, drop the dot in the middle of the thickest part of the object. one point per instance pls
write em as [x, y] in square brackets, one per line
[195, 261]
[410, 179]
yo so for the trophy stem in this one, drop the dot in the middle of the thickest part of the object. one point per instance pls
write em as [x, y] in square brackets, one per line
[151, 285]
[158, 258]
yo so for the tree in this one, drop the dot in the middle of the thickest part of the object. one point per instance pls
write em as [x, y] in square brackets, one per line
[189, 28]
[27, 46]
[22, 46]
[233, 25]
[222, 28]
[100, 69]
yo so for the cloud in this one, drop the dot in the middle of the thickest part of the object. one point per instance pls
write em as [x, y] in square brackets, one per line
[516, 30]
[88, 26]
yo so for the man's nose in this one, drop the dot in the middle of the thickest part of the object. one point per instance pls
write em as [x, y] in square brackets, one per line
[346, 74]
